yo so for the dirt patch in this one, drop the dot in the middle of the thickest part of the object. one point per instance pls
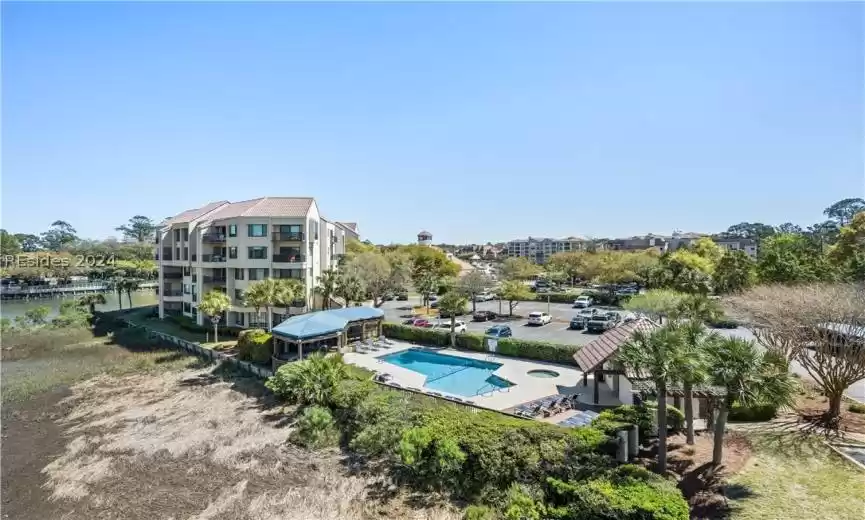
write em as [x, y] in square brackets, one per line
[691, 465]
[811, 406]
[31, 439]
[190, 446]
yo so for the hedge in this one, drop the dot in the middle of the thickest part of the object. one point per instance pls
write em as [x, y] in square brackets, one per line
[521, 348]
[756, 413]
[723, 324]
[254, 345]
[186, 323]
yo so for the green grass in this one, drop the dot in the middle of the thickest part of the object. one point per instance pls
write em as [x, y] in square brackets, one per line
[43, 361]
[168, 327]
[795, 476]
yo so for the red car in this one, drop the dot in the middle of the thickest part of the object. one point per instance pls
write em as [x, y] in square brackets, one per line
[417, 322]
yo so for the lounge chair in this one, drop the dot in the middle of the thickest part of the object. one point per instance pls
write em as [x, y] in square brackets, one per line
[385, 341]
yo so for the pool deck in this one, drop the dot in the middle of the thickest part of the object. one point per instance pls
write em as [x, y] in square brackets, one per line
[526, 388]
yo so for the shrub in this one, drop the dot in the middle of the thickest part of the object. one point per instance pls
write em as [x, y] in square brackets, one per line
[541, 350]
[254, 345]
[856, 408]
[622, 498]
[675, 417]
[311, 381]
[382, 417]
[315, 429]
[755, 413]
[476, 512]
[723, 324]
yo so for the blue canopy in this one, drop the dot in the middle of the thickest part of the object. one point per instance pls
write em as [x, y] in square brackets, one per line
[321, 323]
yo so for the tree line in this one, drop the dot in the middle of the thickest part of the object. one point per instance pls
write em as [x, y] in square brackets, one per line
[102, 259]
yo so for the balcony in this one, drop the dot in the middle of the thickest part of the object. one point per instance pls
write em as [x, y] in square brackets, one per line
[289, 258]
[213, 279]
[212, 258]
[279, 236]
[172, 293]
[173, 276]
[213, 238]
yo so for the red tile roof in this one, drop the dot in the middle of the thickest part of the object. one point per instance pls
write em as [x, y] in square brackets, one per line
[261, 207]
[192, 214]
[593, 355]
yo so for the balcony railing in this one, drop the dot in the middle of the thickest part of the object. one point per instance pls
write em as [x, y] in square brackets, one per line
[212, 238]
[296, 236]
[289, 258]
[172, 292]
[212, 258]
[172, 276]
[214, 279]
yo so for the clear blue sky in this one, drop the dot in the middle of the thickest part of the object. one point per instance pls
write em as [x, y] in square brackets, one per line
[476, 121]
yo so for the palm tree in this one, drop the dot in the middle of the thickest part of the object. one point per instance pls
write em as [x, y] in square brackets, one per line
[699, 307]
[327, 286]
[751, 376]
[654, 355]
[453, 303]
[92, 300]
[213, 304]
[691, 366]
[130, 285]
[272, 293]
[349, 287]
[117, 285]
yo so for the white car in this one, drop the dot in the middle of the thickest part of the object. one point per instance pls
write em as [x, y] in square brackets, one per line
[459, 326]
[539, 318]
[583, 301]
[484, 297]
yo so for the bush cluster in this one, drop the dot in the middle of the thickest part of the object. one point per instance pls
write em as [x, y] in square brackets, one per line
[754, 413]
[513, 468]
[540, 350]
[856, 407]
[255, 345]
[612, 420]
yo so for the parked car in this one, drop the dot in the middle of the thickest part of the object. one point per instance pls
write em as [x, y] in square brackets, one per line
[484, 316]
[583, 302]
[416, 322]
[579, 321]
[446, 314]
[499, 331]
[539, 318]
[485, 297]
[459, 326]
[402, 297]
[603, 321]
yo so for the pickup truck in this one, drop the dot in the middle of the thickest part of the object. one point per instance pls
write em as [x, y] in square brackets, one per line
[603, 321]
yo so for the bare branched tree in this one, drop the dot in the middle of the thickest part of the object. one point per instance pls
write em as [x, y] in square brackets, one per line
[819, 326]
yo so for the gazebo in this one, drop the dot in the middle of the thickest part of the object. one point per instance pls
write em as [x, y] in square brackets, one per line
[324, 330]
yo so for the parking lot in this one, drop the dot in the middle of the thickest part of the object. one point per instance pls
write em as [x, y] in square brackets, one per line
[555, 332]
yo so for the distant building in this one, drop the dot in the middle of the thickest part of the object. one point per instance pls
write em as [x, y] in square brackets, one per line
[639, 243]
[680, 240]
[748, 245]
[539, 250]
[424, 238]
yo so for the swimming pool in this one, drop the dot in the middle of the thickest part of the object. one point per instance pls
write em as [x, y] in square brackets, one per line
[451, 374]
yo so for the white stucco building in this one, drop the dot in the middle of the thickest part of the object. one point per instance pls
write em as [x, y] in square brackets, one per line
[226, 246]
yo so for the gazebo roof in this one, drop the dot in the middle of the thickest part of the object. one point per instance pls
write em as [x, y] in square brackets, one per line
[593, 355]
[321, 323]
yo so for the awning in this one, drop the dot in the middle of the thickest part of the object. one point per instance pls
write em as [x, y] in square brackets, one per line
[324, 323]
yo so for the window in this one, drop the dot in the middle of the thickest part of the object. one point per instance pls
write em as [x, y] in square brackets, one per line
[177, 253]
[297, 274]
[194, 278]
[238, 318]
[186, 234]
[193, 290]
[238, 274]
[238, 295]
[187, 307]
[232, 252]
[232, 230]
[186, 288]
[186, 253]
[186, 270]
[177, 235]
[257, 253]
[258, 274]
[257, 230]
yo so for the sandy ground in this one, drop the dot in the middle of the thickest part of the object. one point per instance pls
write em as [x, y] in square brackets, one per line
[176, 446]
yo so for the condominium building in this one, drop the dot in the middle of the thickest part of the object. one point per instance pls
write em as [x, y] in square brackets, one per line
[225, 246]
[539, 250]
[748, 245]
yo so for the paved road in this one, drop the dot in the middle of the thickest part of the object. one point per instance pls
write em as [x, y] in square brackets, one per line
[556, 332]
[855, 391]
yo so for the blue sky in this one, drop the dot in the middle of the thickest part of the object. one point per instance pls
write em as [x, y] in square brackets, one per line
[476, 122]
